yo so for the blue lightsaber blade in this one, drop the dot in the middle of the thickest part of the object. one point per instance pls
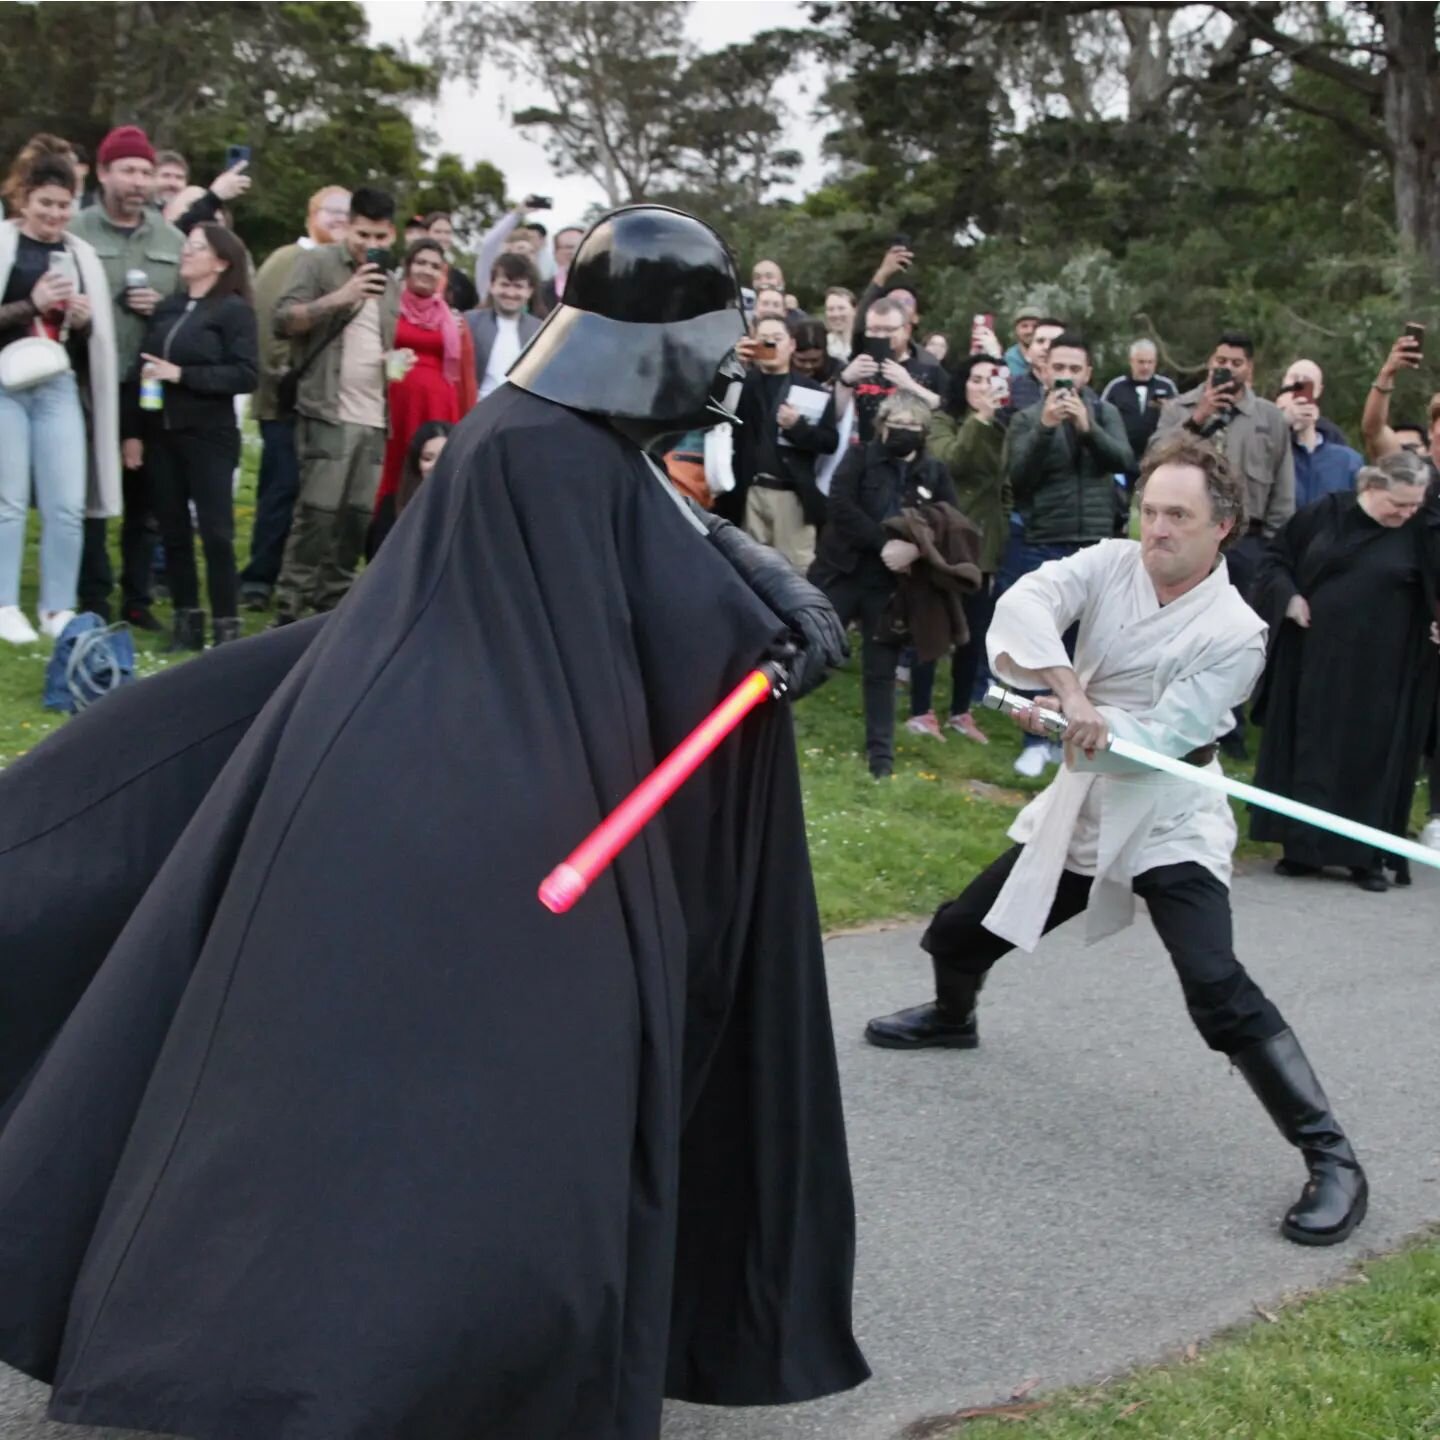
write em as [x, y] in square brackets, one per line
[997, 697]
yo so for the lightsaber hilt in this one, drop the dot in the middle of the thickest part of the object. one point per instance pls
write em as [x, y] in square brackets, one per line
[1010, 702]
[997, 697]
[570, 879]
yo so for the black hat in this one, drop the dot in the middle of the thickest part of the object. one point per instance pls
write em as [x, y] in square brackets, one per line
[649, 319]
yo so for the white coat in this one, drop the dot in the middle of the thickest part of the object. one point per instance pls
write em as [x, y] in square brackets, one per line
[1166, 677]
[103, 497]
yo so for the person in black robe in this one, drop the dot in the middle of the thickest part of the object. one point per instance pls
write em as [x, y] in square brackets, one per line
[1348, 587]
[314, 1123]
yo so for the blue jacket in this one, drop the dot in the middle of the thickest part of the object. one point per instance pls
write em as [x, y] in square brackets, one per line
[1327, 468]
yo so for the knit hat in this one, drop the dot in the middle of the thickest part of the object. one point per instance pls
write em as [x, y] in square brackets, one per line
[127, 142]
[1028, 312]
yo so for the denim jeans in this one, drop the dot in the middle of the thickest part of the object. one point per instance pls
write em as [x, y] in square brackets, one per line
[1021, 558]
[278, 486]
[42, 437]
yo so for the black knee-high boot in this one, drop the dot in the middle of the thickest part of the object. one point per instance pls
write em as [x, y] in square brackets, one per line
[1334, 1199]
[947, 1022]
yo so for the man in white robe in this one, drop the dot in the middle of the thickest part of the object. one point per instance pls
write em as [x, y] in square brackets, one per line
[1166, 649]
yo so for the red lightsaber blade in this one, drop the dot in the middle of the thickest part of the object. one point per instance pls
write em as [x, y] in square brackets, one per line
[570, 879]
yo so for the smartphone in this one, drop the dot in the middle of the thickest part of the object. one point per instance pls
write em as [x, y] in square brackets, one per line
[770, 344]
[1415, 332]
[1220, 376]
[1000, 385]
[1064, 383]
[877, 347]
[986, 322]
[235, 154]
[385, 259]
[1304, 390]
[539, 202]
[901, 240]
[62, 263]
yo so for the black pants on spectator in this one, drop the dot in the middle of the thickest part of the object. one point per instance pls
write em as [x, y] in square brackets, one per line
[137, 549]
[855, 599]
[964, 663]
[279, 484]
[1189, 908]
[197, 466]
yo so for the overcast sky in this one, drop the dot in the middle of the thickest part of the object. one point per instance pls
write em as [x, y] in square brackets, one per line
[474, 123]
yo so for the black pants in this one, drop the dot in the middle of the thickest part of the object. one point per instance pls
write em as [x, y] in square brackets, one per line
[137, 547]
[854, 599]
[1188, 906]
[197, 466]
[279, 484]
[964, 663]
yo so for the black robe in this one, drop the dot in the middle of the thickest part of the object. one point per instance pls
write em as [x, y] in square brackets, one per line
[1345, 704]
[317, 1125]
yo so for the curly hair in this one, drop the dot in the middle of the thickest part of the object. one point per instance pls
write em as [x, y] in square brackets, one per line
[1225, 487]
[43, 160]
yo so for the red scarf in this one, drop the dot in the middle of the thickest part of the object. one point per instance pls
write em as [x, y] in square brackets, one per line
[432, 313]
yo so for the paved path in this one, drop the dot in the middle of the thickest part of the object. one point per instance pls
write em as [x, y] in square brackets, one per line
[1094, 1188]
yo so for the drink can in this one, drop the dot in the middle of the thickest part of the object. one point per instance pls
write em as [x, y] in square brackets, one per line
[152, 394]
[136, 280]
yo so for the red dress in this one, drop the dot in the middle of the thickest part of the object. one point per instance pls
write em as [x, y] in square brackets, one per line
[424, 394]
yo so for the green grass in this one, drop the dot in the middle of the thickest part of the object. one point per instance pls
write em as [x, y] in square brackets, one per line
[1360, 1362]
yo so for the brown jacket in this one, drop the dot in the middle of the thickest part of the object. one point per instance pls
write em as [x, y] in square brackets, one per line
[928, 604]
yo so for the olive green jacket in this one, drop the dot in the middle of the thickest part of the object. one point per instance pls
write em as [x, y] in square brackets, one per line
[973, 453]
[154, 247]
[318, 272]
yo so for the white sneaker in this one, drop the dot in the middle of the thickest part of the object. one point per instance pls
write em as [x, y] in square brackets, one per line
[1430, 835]
[1032, 760]
[14, 627]
[1055, 752]
[53, 624]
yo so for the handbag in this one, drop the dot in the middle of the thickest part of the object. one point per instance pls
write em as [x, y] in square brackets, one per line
[26, 363]
[287, 390]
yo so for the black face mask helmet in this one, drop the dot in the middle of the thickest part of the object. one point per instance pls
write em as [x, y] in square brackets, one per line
[645, 334]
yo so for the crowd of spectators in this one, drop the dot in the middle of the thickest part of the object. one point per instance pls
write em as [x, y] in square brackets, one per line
[861, 429]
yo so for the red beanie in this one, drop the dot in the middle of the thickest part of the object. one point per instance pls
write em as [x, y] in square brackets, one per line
[128, 142]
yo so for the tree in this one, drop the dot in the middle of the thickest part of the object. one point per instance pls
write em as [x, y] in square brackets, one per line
[1380, 74]
[299, 82]
[473, 197]
[610, 70]
[728, 131]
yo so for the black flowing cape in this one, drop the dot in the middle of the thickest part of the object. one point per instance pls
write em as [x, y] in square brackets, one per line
[315, 1124]
[1346, 704]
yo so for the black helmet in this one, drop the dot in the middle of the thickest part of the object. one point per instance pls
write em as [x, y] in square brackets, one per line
[647, 328]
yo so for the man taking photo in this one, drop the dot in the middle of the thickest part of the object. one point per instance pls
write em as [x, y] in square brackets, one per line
[888, 361]
[340, 310]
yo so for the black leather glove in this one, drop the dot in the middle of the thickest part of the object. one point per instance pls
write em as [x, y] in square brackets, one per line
[818, 635]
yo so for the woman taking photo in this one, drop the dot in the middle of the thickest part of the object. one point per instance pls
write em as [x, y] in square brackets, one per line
[1348, 587]
[202, 348]
[858, 562]
[434, 374]
[968, 439]
[52, 287]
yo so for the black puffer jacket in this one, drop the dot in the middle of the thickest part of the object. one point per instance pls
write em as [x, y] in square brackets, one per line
[216, 346]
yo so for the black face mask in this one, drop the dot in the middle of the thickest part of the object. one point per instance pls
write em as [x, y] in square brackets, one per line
[899, 442]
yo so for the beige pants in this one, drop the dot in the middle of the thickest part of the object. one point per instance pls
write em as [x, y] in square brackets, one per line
[774, 518]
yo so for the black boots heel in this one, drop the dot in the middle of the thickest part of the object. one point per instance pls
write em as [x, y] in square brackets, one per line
[226, 628]
[189, 632]
[1334, 1200]
[945, 1023]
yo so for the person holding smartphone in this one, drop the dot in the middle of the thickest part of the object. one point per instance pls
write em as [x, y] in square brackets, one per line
[340, 312]
[48, 282]
[1324, 463]
[888, 362]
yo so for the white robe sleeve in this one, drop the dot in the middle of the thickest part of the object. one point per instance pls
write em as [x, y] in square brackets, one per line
[1025, 635]
[1190, 713]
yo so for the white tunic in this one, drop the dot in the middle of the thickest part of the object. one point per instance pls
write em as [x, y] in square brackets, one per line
[1164, 677]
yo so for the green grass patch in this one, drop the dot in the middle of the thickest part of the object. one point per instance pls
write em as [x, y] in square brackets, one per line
[1359, 1362]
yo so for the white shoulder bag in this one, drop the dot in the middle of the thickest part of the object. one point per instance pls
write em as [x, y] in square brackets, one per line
[35, 359]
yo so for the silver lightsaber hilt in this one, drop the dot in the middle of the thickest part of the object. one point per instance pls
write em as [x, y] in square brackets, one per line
[1008, 702]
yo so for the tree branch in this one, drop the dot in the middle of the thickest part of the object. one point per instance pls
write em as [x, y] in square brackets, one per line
[1302, 52]
[1368, 137]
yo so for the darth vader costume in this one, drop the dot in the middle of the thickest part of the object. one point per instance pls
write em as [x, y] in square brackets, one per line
[314, 1124]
